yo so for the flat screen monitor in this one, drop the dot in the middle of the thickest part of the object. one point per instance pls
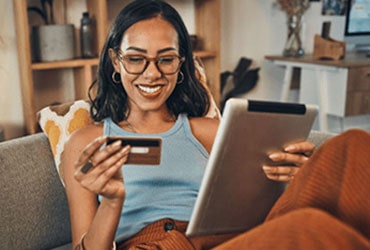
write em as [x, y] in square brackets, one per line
[357, 27]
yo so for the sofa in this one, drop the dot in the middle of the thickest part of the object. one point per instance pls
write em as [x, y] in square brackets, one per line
[34, 210]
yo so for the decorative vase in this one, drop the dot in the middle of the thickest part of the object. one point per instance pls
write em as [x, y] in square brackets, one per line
[293, 44]
[53, 42]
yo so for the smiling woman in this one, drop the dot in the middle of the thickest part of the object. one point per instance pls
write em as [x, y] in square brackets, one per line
[147, 88]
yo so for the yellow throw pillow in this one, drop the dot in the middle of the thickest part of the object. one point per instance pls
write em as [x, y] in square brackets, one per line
[58, 122]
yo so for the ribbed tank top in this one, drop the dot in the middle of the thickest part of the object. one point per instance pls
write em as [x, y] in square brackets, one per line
[161, 191]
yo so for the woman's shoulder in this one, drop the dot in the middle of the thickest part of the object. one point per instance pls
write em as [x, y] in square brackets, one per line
[83, 136]
[204, 123]
[204, 129]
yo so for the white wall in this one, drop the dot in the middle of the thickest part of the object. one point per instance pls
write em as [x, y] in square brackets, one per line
[255, 28]
[11, 113]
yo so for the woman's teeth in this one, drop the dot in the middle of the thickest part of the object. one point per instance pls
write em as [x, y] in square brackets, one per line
[149, 90]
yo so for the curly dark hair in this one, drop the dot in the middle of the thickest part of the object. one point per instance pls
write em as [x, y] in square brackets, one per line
[111, 100]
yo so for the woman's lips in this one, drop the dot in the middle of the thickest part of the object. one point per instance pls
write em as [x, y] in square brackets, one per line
[150, 91]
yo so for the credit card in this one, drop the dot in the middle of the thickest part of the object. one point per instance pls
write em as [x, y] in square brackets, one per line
[144, 151]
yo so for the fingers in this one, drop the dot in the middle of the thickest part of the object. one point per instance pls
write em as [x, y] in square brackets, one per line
[106, 177]
[293, 156]
[101, 161]
[85, 168]
[280, 173]
[289, 158]
[296, 153]
[89, 150]
[92, 155]
[304, 147]
[109, 171]
[108, 153]
[102, 166]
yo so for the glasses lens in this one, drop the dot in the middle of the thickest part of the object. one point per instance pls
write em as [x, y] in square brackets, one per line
[169, 64]
[134, 64]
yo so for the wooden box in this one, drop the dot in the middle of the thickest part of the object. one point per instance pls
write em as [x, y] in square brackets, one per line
[328, 48]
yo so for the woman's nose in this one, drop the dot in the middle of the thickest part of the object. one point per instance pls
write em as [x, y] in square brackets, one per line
[152, 71]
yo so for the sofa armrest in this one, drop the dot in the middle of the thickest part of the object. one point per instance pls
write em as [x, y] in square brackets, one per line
[34, 213]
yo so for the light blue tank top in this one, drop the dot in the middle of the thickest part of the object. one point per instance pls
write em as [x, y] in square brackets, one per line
[162, 191]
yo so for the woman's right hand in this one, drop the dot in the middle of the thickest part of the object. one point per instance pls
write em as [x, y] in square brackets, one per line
[99, 169]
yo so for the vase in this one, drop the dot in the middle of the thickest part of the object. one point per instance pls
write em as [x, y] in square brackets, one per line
[293, 45]
[53, 42]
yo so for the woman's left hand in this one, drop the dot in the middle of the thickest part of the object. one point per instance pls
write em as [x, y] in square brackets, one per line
[293, 156]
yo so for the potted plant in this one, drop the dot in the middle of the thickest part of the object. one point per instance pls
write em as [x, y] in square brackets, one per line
[51, 41]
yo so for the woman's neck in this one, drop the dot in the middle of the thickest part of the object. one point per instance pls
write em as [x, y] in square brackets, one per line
[148, 122]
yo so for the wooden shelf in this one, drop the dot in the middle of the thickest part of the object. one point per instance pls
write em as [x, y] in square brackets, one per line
[65, 64]
[207, 22]
[205, 54]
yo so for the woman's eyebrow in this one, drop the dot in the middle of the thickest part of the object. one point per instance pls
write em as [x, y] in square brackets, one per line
[145, 51]
[166, 49]
[137, 49]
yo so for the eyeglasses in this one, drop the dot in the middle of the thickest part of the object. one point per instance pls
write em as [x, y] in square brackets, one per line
[137, 64]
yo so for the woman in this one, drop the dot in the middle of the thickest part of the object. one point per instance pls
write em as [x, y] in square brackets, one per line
[146, 87]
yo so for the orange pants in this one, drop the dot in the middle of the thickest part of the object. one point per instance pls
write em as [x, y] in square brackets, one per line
[170, 234]
[326, 206]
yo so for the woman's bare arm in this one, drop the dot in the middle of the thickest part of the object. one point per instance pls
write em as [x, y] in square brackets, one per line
[97, 222]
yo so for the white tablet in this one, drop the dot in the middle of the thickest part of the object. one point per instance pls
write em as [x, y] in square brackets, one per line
[235, 194]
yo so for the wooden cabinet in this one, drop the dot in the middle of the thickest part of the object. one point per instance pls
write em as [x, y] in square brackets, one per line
[358, 91]
[43, 83]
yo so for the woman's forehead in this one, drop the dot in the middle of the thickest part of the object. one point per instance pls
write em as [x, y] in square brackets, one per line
[150, 33]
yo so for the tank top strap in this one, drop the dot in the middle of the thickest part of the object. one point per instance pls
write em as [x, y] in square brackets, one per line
[185, 122]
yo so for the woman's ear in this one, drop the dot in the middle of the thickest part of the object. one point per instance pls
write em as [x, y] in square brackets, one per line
[115, 60]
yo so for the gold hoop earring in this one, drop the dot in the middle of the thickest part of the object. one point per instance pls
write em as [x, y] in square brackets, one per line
[116, 77]
[182, 77]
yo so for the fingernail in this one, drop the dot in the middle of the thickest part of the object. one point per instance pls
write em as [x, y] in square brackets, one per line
[116, 143]
[290, 148]
[125, 149]
[274, 156]
[101, 138]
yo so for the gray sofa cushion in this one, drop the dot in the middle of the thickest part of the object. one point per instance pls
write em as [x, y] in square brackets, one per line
[34, 211]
